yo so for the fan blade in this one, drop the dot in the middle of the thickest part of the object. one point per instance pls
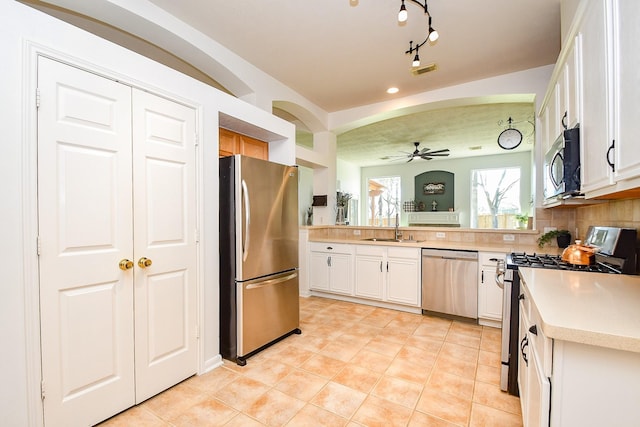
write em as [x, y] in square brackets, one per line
[425, 157]
[424, 150]
[410, 159]
[445, 150]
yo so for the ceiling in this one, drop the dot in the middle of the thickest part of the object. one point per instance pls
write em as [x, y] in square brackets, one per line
[467, 131]
[341, 54]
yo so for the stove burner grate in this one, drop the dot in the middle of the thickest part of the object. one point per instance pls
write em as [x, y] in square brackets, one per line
[555, 262]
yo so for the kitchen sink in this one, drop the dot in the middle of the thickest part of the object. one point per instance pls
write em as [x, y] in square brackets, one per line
[378, 239]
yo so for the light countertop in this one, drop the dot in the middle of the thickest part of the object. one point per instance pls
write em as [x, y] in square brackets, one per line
[599, 309]
[505, 247]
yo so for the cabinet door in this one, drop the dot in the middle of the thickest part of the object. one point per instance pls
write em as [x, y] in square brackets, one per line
[369, 274]
[596, 102]
[524, 357]
[229, 143]
[538, 397]
[627, 88]
[489, 294]
[572, 81]
[403, 281]
[553, 114]
[252, 147]
[340, 274]
[319, 271]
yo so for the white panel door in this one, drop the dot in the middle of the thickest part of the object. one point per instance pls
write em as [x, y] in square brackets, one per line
[116, 181]
[165, 227]
[85, 229]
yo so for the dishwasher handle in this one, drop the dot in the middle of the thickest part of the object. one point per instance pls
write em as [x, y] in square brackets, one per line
[450, 254]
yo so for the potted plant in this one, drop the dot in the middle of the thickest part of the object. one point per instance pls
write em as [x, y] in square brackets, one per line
[563, 238]
[523, 220]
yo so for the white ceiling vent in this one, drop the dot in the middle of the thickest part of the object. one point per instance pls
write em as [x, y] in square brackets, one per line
[422, 70]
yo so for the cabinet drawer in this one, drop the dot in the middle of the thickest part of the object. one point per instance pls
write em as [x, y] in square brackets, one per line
[370, 250]
[407, 253]
[484, 258]
[330, 247]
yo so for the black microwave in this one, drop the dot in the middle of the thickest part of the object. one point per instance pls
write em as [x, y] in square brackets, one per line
[562, 166]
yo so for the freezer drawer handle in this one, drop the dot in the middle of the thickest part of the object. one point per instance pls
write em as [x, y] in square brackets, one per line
[272, 281]
[247, 220]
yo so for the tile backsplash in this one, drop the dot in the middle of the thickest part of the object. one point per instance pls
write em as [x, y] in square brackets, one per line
[614, 213]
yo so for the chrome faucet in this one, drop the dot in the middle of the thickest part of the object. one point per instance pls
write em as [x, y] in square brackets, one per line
[398, 232]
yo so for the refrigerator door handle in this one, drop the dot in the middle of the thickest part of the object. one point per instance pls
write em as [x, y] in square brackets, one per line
[247, 220]
[253, 284]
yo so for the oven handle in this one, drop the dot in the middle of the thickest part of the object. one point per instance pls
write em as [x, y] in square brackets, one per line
[499, 278]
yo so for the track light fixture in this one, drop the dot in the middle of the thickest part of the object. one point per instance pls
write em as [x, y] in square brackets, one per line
[402, 15]
[432, 34]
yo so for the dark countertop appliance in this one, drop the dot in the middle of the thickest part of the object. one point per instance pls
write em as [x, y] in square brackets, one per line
[259, 293]
[616, 255]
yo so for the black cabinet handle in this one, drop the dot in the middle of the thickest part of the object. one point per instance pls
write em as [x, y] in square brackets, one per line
[534, 330]
[329, 261]
[387, 266]
[380, 266]
[524, 343]
[611, 164]
[520, 297]
[564, 121]
[482, 277]
[493, 259]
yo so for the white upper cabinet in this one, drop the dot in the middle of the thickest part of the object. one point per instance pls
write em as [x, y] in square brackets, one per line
[596, 107]
[561, 106]
[626, 55]
[595, 85]
[610, 98]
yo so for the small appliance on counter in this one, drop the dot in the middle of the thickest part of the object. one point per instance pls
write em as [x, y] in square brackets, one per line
[258, 255]
[614, 252]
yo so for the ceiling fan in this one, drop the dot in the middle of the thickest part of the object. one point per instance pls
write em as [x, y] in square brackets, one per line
[425, 153]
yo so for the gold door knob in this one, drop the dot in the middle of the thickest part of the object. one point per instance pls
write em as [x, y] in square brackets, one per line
[144, 262]
[125, 264]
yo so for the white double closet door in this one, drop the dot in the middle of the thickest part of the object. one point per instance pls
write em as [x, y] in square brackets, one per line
[116, 183]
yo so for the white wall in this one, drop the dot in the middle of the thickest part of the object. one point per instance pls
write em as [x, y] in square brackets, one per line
[462, 180]
[25, 32]
[305, 192]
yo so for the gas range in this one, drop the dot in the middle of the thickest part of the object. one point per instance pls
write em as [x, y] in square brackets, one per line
[555, 262]
[616, 254]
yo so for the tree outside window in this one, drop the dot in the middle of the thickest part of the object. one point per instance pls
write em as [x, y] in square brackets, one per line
[384, 200]
[495, 197]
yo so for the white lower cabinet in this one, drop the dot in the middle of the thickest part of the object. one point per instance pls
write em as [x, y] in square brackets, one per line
[564, 383]
[331, 268]
[370, 265]
[534, 384]
[388, 273]
[489, 293]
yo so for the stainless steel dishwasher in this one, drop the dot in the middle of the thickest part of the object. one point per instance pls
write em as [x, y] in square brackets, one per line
[450, 282]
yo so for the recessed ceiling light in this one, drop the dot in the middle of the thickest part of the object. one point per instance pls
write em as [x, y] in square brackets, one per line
[392, 90]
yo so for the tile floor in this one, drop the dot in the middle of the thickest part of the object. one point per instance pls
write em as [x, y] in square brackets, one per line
[353, 365]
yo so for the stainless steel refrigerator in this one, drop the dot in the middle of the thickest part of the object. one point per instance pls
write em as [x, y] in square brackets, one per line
[258, 255]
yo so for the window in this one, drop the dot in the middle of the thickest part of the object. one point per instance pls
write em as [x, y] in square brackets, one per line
[384, 200]
[495, 197]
